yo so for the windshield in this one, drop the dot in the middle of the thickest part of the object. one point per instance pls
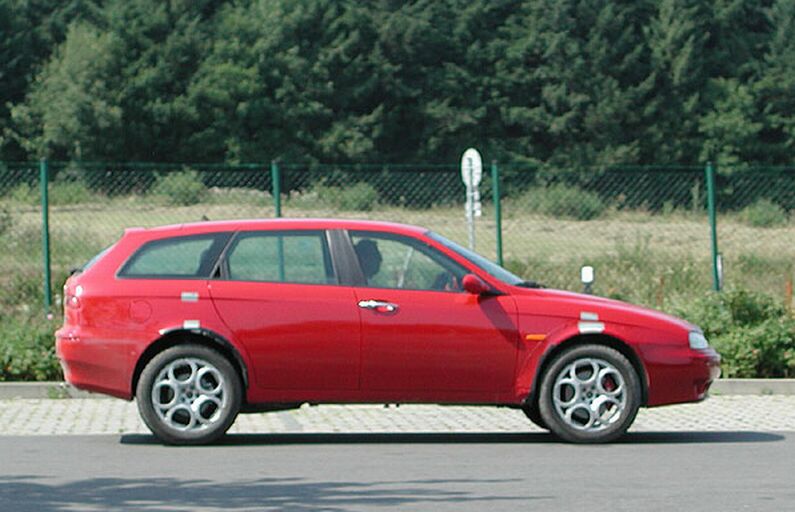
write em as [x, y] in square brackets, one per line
[485, 264]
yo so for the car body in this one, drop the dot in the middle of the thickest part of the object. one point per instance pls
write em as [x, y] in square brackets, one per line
[202, 320]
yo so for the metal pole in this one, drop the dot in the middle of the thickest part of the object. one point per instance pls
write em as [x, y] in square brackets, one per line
[280, 249]
[470, 203]
[716, 277]
[276, 178]
[45, 234]
[495, 190]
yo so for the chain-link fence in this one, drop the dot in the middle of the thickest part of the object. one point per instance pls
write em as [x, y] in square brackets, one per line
[756, 227]
[646, 230]
[21, 261]
[429, 196]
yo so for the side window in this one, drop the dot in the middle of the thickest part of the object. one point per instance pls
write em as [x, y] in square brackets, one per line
[177, 257]
[391, 261]
[279, 256]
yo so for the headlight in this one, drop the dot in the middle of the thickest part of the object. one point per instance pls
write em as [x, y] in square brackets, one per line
[698, 341]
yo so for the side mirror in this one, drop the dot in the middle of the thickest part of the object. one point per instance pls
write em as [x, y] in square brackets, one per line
[474, 285]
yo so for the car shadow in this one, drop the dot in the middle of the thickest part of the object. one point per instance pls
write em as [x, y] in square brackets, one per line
[705, 437]
[698, 437]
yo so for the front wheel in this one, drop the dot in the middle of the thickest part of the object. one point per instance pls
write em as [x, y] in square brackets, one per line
[189, 394]
[589, 394]
[534, 415]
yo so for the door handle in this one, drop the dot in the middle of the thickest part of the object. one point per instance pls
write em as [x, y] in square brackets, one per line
[378, 305]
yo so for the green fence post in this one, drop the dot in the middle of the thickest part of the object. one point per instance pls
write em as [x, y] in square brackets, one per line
[713, 226]
[495, 191]
[276, 179]
[45, 233]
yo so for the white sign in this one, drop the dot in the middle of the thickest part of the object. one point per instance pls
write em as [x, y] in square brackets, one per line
[471, 174]
[471, 168]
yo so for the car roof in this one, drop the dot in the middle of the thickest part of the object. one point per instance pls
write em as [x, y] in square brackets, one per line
[280, 223]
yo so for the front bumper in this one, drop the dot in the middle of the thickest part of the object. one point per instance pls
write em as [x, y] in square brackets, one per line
[707, 370]
[680, 375]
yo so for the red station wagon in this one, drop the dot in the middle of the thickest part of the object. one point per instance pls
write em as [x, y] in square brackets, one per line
[202, 321]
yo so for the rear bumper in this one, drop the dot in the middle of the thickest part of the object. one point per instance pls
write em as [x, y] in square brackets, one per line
[94, 363]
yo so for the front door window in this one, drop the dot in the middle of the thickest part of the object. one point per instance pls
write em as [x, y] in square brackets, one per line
[389, 261]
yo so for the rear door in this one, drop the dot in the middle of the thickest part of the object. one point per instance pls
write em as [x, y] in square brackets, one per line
[279, 293]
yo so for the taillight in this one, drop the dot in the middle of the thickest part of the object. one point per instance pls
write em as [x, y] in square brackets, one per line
[73, 301]
[72, 296]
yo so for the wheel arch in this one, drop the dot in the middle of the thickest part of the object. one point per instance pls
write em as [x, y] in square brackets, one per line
[204, 337]
[589, 339]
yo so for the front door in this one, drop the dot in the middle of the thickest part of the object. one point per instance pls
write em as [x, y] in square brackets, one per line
[421, 331]
[280, 296]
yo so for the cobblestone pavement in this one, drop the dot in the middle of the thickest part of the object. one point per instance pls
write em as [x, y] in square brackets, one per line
[110, 416]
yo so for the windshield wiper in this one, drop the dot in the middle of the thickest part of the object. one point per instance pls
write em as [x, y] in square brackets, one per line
[530, 284]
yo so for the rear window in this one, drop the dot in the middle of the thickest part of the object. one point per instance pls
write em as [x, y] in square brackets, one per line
[179, 257]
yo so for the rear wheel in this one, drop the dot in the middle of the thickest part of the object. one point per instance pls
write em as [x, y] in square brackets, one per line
[589, 394]
[189, 394]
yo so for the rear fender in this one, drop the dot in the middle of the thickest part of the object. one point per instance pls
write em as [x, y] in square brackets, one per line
[170, 337]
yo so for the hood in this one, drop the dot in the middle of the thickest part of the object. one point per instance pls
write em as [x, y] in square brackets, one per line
[550, 302]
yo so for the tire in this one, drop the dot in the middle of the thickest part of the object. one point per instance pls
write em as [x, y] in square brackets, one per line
[589, 394]
[534, 415]
[189, 394]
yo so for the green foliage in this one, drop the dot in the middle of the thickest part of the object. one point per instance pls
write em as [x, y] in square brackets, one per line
[565, 84]
[730, 128]
[28, 349]
[773, 90]
[71, 192]
[754, 334]
[764, 214]
[24, 194]
[361, 197]
[563, 201]
[5, 220]
[180, 188]
[70, 109]
[764, 350]
[20, 290]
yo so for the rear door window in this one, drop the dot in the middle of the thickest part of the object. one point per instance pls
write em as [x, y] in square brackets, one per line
[281, 256]
[183, 257]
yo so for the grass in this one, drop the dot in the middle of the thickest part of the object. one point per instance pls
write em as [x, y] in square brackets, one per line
[659, 260]
[637, 255]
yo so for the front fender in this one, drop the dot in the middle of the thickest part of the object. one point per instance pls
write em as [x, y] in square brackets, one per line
[539, 352]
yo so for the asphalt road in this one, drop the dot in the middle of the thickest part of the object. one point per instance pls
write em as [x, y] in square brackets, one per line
[505, 471]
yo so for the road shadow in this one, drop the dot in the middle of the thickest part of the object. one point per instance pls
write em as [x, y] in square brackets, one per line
[29, 493]
[466, 438]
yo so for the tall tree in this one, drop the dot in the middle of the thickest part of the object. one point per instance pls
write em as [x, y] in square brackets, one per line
[775, 90]
[677, 38]
[72, 110]
[30, 30]
[161, 45]
[572, 80]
